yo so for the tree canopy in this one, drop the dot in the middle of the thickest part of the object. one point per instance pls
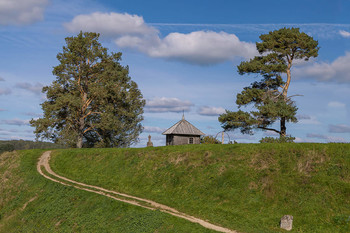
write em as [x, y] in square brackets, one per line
[277, 51]
[93, 101]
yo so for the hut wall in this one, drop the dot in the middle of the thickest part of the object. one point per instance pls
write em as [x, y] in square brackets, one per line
[185, 139]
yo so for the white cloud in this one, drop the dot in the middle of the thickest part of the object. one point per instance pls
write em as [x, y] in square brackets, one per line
[326, 137]
[110, 24]
[9, 131]
[36, 88]
[15, 121]
[198, 47]
[308, 120]
[21, 11]
[335, 104]
[210, 111]
[164, 104]
[344, 33]
[339, 128]
[5, 91]
[337, 71]
[153, 129]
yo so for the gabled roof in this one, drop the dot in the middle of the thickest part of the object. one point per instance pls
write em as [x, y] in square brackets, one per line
[183, 127]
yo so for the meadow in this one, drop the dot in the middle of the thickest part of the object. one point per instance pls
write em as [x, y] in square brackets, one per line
[244, 187]
[31, 203]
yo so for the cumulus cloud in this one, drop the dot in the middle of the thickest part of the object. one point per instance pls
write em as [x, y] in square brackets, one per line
[15, 121]
[210, 111]
[36, 88]
[131, 31]
[326, 137]
[164, 104]
[336, 71]
[5, 91]
[199, 47]
[339, 128]
[344, 33]
[110, 24]
[21, 12]
[153, 129]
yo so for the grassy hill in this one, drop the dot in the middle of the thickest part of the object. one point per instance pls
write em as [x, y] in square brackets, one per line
[30, 203]
[245, 187]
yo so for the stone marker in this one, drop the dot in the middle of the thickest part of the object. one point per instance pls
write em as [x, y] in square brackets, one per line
[286, 222]
[149, 143]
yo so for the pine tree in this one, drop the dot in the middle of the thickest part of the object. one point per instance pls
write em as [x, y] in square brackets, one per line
[93, 101]
[278, 50]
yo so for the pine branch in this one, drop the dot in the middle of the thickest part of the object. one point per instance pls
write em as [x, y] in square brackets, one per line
[270, 129]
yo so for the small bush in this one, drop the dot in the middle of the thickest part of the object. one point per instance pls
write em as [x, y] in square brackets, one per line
[209, 140]
[286, 139]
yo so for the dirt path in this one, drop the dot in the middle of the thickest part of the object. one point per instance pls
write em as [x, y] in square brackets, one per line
[148, 204]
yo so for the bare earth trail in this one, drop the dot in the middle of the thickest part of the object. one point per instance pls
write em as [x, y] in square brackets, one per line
[148, 204]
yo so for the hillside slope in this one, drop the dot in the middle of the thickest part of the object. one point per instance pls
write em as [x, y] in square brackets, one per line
[246, 187]
[31, 203]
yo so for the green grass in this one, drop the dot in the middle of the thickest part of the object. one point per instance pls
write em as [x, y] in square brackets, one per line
[245, 187]
[57, 208]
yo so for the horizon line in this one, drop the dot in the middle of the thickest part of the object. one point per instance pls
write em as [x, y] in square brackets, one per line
[256, 24]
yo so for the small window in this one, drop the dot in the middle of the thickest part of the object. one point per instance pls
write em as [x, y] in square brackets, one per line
[190, 140]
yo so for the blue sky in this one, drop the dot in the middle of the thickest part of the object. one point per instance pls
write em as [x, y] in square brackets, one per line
[183, 55]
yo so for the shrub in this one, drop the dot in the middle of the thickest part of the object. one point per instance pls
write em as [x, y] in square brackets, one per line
[209, 140]
[286, 139]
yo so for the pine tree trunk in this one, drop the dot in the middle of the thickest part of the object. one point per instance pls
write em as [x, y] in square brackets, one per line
[82, 121]
[80, 133]
[283, 127]
[283, 130]
[80, 141]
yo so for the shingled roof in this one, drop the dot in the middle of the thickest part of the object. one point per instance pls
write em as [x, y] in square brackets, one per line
[183, 127]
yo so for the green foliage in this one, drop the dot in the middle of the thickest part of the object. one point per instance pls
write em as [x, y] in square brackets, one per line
[278, 49]
[31, 203]
[286, 139]
[245, 187]
[6, 147]
[93, 101]
[209, 140]
[25, 145]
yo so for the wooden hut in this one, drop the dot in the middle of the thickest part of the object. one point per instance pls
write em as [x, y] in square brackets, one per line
[183, 132]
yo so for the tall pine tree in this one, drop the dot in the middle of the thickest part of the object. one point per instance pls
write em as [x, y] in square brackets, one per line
[269, 96]
[93, 101]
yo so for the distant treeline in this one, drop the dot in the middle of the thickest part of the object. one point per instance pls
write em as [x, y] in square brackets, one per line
[24, 145]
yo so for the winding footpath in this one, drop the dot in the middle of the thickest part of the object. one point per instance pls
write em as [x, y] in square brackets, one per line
[148, 204]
